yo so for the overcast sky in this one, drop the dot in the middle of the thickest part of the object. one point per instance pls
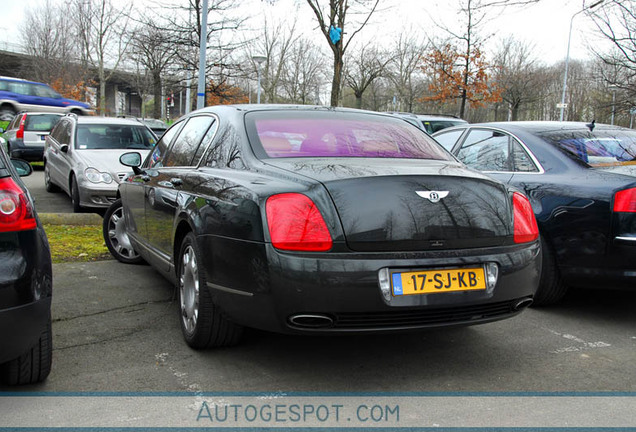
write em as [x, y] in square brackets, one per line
[545, 24]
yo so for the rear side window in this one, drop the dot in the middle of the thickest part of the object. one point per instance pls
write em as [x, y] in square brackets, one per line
[293, 134]
[41, 123]
[449, 139]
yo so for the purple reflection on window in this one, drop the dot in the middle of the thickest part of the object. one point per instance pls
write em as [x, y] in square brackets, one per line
[322, 137]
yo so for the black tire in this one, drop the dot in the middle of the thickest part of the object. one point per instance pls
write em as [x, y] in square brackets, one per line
[75, 197]
[7, 113]
[551, 287]
[50, 187]
[202, 323]
[33, 366]
[116, 237]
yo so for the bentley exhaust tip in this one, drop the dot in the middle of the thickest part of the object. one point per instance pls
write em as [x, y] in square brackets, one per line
[522, 304]
[311, 321]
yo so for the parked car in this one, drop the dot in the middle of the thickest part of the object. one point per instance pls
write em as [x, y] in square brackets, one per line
[580, 180]
[26, 133]
[25, 281]
[81, 157]
[21, 95]
[323, 220]
[156, 125]
[430, 123]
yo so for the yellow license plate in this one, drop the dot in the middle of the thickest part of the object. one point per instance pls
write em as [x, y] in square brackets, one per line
[438, 281]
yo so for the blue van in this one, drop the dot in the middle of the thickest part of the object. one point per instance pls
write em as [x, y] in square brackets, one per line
[21, 95]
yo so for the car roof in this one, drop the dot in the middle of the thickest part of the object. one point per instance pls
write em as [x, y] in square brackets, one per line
[548, 126]
[32, 113]
[108, 120]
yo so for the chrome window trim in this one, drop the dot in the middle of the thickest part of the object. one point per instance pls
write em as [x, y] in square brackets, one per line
[527, 150]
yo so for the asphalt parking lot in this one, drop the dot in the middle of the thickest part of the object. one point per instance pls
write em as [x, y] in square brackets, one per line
[116, 329]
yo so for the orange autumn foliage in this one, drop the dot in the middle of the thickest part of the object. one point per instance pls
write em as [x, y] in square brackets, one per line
[71, 91]
[225, 94]
[453, 72]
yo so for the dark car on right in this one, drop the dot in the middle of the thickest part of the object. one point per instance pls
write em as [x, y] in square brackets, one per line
[581, 181]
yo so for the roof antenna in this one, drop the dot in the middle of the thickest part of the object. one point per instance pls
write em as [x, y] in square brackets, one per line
[590, 126]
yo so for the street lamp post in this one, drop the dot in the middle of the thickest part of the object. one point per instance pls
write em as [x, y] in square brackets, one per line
[613, 87]
[258, 59]
[567, 56]
[202, 57]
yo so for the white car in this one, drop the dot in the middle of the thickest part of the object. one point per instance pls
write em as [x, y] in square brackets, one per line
[81, 157]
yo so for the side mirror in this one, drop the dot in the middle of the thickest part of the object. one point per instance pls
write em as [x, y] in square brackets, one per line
[22, 167]
[131, 159]
[64, 148]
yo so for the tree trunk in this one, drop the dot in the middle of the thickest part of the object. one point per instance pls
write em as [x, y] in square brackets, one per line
[102, 95]
[156, 86]
[514, 111]
[337, 76]
[358, 100]
[462, 107]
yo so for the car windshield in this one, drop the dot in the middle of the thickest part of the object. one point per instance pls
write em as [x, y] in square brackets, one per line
[599, 148]
[110, 136]
[283, 134]
[41, 122]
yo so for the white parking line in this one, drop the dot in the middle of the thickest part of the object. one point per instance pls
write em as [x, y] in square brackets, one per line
[581, 345]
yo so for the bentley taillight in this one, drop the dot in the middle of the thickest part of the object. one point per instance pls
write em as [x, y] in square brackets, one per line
[625, 201]
[296, 224]
[525, 224]
[16, 213]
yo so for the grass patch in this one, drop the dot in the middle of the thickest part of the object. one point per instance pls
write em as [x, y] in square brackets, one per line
[76, 243]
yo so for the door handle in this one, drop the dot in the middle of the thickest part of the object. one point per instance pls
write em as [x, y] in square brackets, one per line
[176, 181]
[145, 178]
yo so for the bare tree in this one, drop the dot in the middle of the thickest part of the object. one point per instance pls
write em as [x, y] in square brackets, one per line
[152, 50]
[274, 43]
[332, 20]
[101, 30]
[48, 38]
[181, 24]
[405, 72]
[302, 73]
[517, 74]
[363, 68]
[616, 23]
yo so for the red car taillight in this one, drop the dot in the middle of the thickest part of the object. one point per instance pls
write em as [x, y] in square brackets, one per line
[525, 224]
[16, 213]
[295, 224]
[625, 201]
[20, 132]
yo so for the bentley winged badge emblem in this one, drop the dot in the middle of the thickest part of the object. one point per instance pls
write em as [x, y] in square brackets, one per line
[432, 196]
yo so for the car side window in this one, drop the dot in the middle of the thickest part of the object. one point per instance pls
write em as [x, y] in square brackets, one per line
[183, 150]
[15, 122]
[62, 132]
[155, 159]
[449, 139]
[521, 159]
[486, 150]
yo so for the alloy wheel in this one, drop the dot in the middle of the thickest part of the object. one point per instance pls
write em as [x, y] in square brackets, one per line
[189, 289]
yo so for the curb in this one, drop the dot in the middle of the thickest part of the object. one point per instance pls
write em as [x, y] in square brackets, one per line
[70, 218]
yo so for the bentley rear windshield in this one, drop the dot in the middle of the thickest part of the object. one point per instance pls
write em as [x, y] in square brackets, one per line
[294, 134]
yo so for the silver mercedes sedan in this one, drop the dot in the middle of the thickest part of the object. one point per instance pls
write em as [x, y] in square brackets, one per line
[81, 157]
